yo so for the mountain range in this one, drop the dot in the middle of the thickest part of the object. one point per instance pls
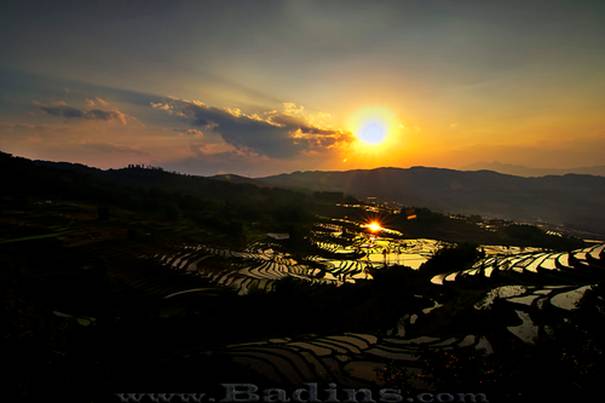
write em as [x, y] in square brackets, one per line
[576, 201]
[522, 170]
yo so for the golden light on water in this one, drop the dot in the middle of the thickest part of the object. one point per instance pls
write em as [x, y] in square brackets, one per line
[374, 226]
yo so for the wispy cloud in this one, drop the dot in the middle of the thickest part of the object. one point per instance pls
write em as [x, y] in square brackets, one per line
[96, 102]
[197, 133]
[92, 112]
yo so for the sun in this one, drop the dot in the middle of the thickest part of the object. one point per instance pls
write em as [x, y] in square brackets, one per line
[372, 126]
[372, 131]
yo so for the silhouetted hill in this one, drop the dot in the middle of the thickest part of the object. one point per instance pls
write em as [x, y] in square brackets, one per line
[577, 201]
[31, 177]
[209, 203]
[521, 170]
[232, 178]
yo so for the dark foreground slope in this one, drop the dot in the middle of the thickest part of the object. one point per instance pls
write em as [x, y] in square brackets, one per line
[577, 201]
[224, 209]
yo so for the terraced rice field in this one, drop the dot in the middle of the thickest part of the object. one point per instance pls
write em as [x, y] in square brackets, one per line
[346, 359]
[256, 268]
[340, 259]
[508, 250]
[259, 266]
[586, 261]
[377, 249]
[354, 358]
[358, 358]
[408, 252]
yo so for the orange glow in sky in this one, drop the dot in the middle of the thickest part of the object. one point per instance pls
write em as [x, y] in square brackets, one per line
[399, 85]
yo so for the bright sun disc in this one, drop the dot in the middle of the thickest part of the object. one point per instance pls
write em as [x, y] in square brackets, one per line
[372, 132]
[373, 127]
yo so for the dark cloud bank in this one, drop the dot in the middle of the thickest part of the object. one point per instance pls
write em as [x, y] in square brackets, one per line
[69, 112]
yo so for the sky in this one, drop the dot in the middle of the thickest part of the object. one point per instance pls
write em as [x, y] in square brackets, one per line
[263, 87]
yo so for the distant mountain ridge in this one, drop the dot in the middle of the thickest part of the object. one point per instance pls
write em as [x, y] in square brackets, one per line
[574, 200]
[521, 170]
[233, 178]
[577, 201]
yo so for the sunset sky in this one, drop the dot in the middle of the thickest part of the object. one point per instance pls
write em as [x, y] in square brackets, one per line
[262, 87]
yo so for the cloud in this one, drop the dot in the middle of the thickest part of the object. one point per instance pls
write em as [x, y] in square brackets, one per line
[161, 106]
[99, 114]
[61, 109]
[191, 132]
[277, 133]
[96, 101]
[194, 132]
